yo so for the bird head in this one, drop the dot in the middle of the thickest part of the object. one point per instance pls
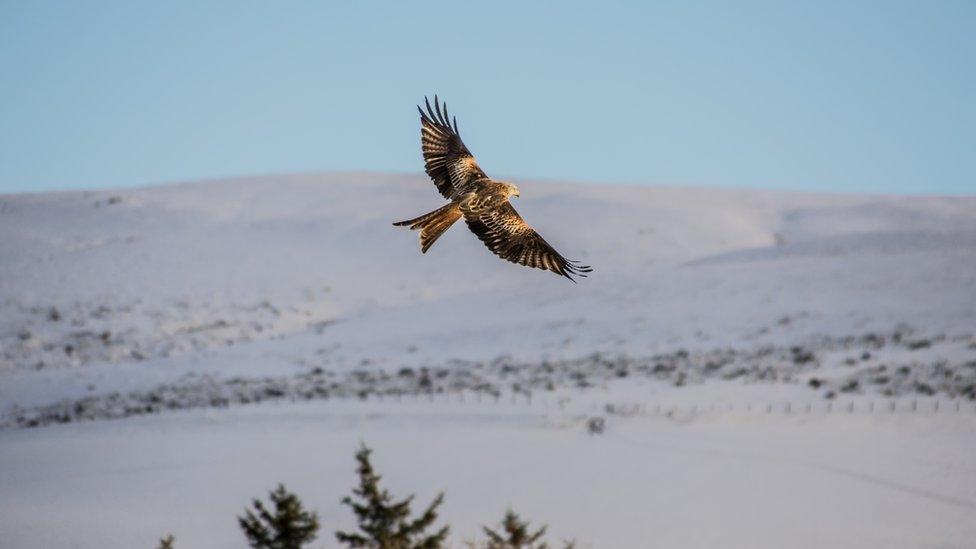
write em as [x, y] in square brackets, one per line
[512, 190]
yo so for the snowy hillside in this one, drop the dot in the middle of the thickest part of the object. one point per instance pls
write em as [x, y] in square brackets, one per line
[708, 309]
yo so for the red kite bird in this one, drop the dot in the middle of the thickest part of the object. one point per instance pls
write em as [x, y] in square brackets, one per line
[480, 200]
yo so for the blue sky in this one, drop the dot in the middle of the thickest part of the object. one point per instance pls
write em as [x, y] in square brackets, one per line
[835, 96]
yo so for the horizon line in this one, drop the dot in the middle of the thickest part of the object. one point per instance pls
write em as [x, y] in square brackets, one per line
[421, 174]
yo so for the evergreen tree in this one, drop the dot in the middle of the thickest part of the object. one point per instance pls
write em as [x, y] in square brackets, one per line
[289, 527]
[384, 523]
[166, 543]
[515, 534]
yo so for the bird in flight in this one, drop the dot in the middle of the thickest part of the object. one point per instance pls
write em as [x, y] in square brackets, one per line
[481, 201]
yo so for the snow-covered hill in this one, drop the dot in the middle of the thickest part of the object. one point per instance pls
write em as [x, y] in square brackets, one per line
[306, 271]
[199, 296]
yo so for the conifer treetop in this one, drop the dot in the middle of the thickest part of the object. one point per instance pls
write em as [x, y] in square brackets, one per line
[290, 527]
[383, 522]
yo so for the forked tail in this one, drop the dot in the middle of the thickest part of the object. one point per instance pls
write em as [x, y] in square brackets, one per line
[432, 225]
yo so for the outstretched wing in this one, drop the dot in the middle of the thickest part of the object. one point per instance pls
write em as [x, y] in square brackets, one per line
[447, 161]
[509, 237]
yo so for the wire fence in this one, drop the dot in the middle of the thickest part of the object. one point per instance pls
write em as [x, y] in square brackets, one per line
[594, 404]
[558, 403]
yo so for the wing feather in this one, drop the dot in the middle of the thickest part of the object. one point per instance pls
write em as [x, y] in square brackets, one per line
[447, 160]
[509, 237]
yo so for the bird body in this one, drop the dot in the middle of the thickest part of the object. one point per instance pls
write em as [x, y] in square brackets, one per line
[482, 202]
